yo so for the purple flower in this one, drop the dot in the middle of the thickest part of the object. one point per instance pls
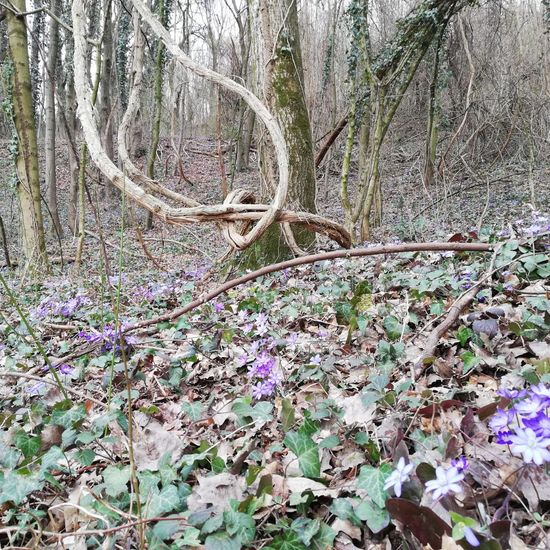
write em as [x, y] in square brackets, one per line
[109, 337]
[529, 407]
[36, 388]
[503, 438]
[460, 464]
[315, 360]
[399, 476]
[532, 448]
[509, 393]
[540, 424]
[242, 316]
[248, 328]
[219, 307]
[263, 366]
[262, 324]
[241, 360]
[292, 341]
[66, 369]
[470, 536]
[542, 391]
[447, 481]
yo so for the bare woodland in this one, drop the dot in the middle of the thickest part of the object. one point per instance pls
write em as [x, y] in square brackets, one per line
[303, 94]
[274, 274]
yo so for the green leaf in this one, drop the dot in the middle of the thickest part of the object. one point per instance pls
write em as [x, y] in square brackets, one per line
[15, 488]
[241, 525]
[464, 334]
[85, 457]
[307, 452]
[287, 541]
[221, 541]
[260, 412]
[166, 501]
[116, 479]
[393, 327]
[372, 481]
[471, 361]
[306, 529]
[69, 418]
[193, 410]
[329, 442]
[27, 444]
[324, 539]
[377, 518]
[191, 537]
[287, 415]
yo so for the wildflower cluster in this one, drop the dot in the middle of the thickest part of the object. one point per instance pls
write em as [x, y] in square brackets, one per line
[51, 307]
[262, 364]
[538, 225]
[525, 423]
[153, 291]
[109, 337]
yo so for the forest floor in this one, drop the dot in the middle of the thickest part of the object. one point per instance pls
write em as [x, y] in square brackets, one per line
[283, 414]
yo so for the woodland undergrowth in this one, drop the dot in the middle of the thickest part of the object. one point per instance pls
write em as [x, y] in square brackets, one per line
[290, 412]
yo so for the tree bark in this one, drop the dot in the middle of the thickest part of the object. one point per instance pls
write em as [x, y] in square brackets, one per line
[51, 181]
[28, 185]
[280, 55]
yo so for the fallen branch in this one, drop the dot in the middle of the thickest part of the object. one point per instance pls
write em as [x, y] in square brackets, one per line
[459, 305]
[312, 258]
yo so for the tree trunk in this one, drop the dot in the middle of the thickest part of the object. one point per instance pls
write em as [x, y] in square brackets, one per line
[283, 84]
[105, 100]
[28, 185]
[164, 13]
[51, 181]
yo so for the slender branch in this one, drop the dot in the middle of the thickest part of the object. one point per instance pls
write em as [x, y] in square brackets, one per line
[312, 258]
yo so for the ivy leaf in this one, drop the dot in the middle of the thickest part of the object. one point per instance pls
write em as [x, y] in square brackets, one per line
[307, 452]
[116, 480]
[324, 539]
[393, 327]
[372, 481]
[471, 361]
[377, 518]
[221, 541]
[193, 410]
[240, 524]
[15, 487]
[27, 444]
[69, 418]
[166, 501]
[287, 541]
[330, 442]
[306, 529]
[260, 412]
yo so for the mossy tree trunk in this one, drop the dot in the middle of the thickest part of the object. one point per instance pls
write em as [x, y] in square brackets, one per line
[28, 184]
[387, 78]
[163, 10]
[283, 86]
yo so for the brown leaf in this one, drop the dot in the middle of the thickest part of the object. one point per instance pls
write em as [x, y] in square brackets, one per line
[423, 522]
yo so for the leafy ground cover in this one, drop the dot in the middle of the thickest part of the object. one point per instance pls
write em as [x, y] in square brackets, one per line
[297, 411]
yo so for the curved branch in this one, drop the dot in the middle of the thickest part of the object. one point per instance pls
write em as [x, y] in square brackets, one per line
[229, 212]
[253, 102]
